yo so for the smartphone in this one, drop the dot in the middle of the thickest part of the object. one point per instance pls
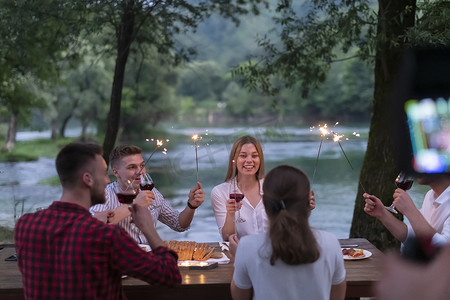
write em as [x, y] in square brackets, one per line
[421, 110]
[429, 131]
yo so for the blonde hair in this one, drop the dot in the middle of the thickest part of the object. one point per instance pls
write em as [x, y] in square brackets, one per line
[234, 153]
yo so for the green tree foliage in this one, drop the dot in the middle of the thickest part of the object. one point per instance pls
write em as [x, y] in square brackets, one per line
[154, 23]
[33, 37]
[346, 94]
[149, 97]
[312, 36]
[202, 81]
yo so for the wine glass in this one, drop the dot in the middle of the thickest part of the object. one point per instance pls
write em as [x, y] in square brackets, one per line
[125, 196]
[404, 182]
[147, 185]
[237, 196]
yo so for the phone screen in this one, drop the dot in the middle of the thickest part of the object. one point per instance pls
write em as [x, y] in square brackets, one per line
[429, 130]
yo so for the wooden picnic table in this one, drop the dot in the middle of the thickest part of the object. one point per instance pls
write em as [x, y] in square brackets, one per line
[207, 284]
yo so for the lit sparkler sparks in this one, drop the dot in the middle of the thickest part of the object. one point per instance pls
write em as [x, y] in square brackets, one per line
[159, 143]
[196, 138]
[324, 132]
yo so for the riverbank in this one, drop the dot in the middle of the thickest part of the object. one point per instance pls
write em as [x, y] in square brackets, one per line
[31, 150]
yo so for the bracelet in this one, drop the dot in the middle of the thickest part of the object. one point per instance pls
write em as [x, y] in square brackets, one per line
[190, 205]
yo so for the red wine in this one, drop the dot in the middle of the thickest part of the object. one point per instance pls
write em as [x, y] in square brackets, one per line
[404, 181]
[237, 197]
[126, 198]
[404, 185]
[147, 186]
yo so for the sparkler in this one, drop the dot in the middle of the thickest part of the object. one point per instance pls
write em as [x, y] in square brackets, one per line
[159, 143]
[337, 138]
[324, 132]
[196, 138]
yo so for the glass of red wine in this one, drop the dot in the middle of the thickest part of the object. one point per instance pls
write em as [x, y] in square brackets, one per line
[237, 196]
[147, 185]
[404, 182]
[125, 196]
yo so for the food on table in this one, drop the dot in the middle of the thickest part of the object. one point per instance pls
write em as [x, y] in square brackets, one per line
[353, 252]
[202, 252]
[187, 250]
[217, 254]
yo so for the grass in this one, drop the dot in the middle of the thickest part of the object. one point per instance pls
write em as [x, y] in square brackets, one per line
[6, 235]
[32, 150]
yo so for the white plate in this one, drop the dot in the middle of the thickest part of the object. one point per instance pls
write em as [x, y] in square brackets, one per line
[366, 255]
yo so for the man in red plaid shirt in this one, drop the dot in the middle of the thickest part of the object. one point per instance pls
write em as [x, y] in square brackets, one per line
[65, 253]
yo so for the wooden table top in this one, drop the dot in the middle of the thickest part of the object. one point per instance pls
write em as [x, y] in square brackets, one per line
[361, 275]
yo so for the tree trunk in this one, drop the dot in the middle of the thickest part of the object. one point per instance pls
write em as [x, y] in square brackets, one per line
[380, 166]
[53, 125]
[124, 40]
[62, 129]
[12, 131]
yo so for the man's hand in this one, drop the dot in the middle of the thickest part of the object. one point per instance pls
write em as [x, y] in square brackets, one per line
[374, 207]
[143, 219]
[403, 202]
[104, 216]
[196, 195]
[144, 198]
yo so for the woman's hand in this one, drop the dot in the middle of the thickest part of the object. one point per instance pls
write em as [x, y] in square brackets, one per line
[234, 241]
[231, 208]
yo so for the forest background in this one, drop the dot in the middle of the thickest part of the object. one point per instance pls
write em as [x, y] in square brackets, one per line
[198, 91]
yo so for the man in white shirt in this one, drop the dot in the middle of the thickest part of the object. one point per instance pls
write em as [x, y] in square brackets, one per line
[432, 220]
[127, 164]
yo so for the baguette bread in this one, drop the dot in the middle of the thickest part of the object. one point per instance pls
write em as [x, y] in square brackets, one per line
[187, 250]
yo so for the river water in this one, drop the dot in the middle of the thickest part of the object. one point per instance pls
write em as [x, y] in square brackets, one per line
[334, 178]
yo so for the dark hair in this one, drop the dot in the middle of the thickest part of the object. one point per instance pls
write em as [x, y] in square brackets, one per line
[72, 159]
[234, 153]
[121, 151]
[286, 200]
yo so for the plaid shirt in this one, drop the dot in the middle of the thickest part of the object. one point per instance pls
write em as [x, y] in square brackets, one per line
[65, 253]
[163, 212]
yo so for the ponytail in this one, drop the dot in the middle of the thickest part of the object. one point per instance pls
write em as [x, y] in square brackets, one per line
[286, 200]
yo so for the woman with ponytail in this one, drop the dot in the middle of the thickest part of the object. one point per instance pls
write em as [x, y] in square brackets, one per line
[292, 260]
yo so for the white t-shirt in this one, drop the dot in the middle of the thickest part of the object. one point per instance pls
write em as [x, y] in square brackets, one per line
[282, 281]
[256, 220]
[163, 212]
[437, 213]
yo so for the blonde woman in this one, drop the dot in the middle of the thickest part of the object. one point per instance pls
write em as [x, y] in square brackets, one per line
[245, 175]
